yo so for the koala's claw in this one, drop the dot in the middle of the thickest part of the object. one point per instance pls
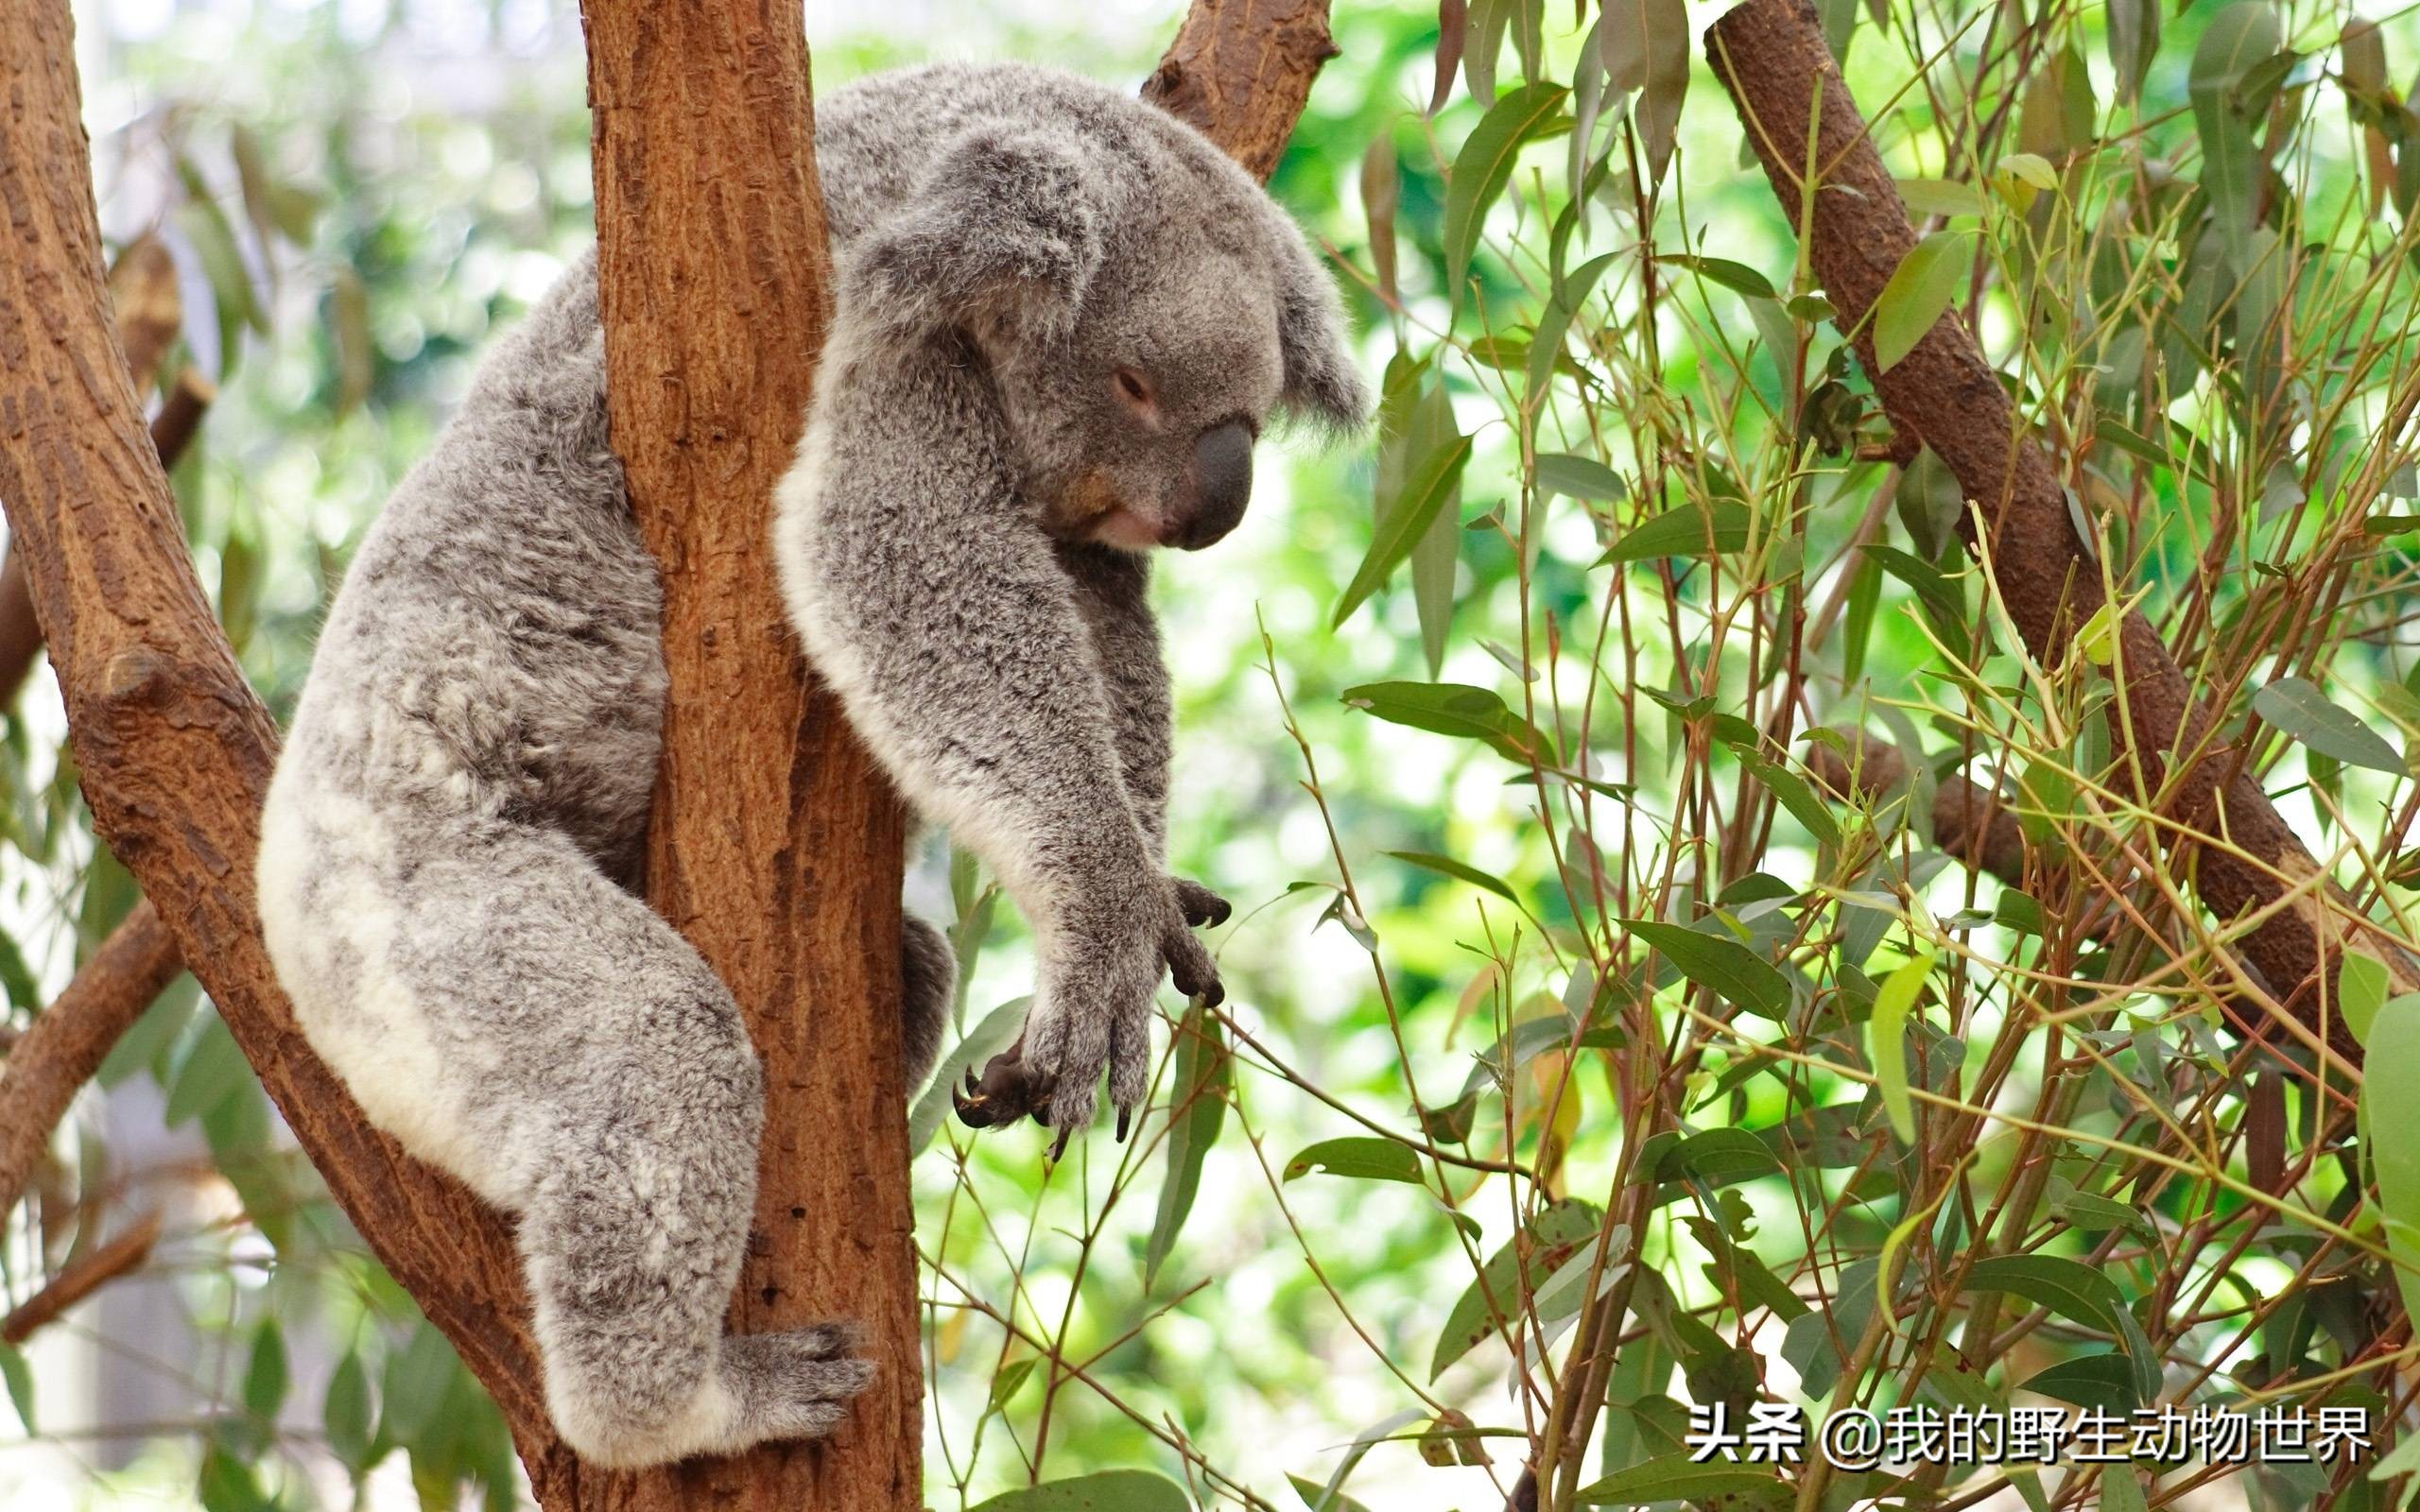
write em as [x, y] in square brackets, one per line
[1190, 967]
[1125, 1121]
[1006, 1091]
[1201, 906]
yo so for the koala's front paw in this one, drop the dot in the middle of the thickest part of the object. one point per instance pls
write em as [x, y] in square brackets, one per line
[1093, 1009]
[1201, 908]
[1006, 1091]
[1193, 907]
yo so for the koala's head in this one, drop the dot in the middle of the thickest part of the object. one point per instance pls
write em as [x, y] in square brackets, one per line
[1145, 311]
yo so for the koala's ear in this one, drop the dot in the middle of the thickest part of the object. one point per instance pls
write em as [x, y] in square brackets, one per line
[1320, 383]
[1003, 227]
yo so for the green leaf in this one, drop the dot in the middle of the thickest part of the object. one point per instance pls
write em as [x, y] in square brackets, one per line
[210, 1071]
[1918, 294]
[1317, 1498]
[1646, 48]
[989, 1038]
[1943, 599]
[414, 1386]
[1197, 1113]
[2236, 39]
[1930, 503]
[1733, 971]
[264, 1377]
[19, 1378]
[2079, 1293]
[1483, 168]
[1435, 554]
[2392, 1064]
[1453, 709]
[1887, 1042]
[2362, 984]
[23, 994]
[345, 1413]
[1941, 197]
[1004, 1385]
[1794, 793]
[1738, 277]
[1570, 293]
[2104, 1381]
[1580, 478]
[1495, 1293]
[1677, 1478]
[2298, 707]
[1448, 866]
[1687, 531]
[2134, 37]
[1717, 1156]
[1362, 1157]
[1104, 1491]
[227, 1485]
[1432, 481]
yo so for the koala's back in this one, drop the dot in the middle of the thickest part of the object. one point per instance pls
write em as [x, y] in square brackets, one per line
[495, 644]
[495, 641]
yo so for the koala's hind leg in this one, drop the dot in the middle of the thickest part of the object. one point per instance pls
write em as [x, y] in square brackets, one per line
[513, 1016]
[631, 1253]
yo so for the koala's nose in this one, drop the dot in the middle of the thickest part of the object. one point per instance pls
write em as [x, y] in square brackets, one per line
[1221, 485]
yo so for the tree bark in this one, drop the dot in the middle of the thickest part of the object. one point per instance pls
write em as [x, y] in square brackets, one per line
[776, 843]
[68, 1040]
[1239, 72]
[62, 1048]
[1771, 55]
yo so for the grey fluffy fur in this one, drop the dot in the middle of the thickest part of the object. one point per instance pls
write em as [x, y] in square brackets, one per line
[451, 839]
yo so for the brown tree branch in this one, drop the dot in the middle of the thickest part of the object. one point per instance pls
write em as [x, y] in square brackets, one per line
[1771, 55]
[775, 844]
[1239, 72]
[81, 1278]
[149, 314]
[66, 1043]
[62, 1048]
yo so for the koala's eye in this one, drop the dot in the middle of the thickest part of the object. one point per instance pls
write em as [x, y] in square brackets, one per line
[1134, 389]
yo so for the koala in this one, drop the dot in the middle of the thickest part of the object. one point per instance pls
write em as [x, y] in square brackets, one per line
[1062, 319]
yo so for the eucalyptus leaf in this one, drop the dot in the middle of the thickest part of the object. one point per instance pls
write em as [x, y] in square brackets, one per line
[1918, 294]
[1360, 1158]
[1102, 1491]
[1197, 1112]
[1728, 969]
[1483, 168]
[2296, 706]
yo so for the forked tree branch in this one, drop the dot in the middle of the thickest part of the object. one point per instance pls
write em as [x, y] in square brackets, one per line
[59, 1050]
[174, 751]
[1771, 55]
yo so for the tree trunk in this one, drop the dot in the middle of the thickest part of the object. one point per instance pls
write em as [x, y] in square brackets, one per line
[775, 847]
